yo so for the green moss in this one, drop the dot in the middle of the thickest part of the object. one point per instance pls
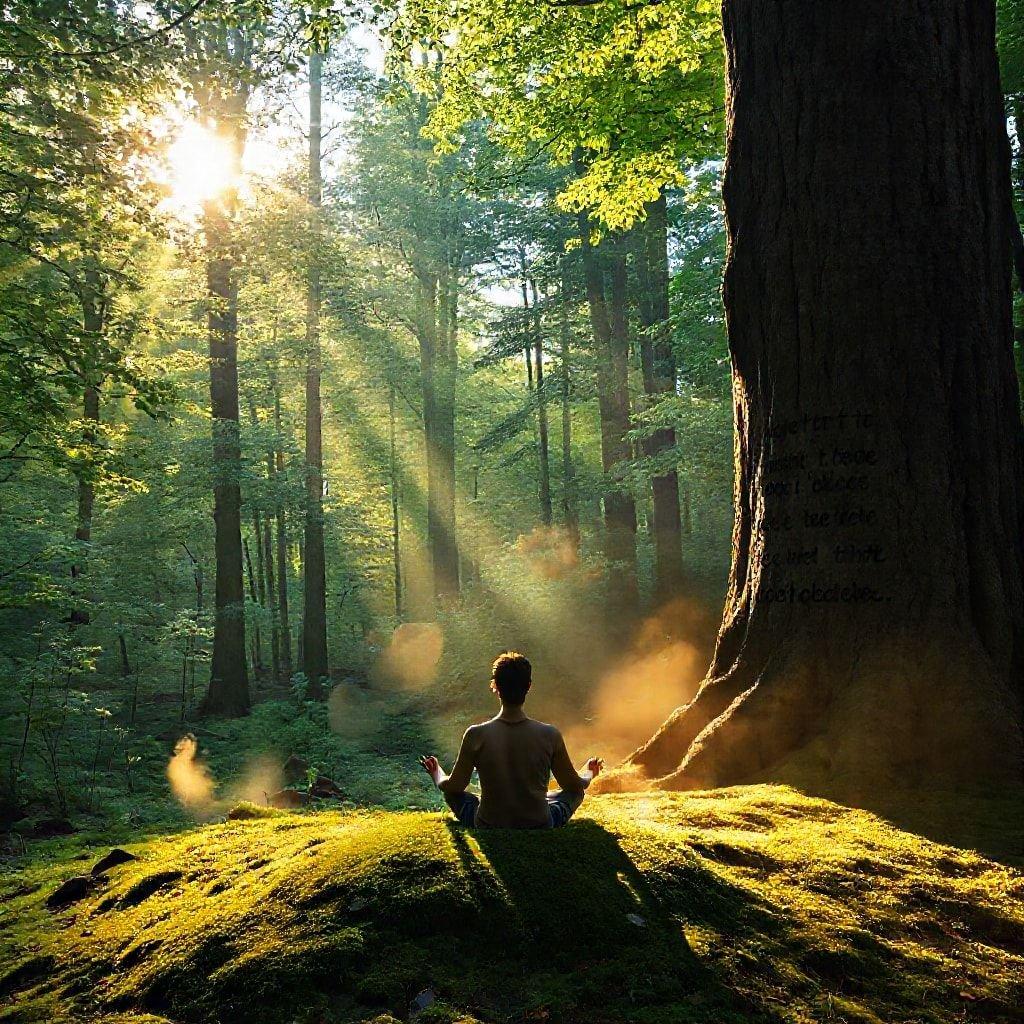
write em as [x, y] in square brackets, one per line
[752, 904]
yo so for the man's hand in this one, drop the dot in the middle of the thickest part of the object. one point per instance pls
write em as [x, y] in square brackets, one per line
[591, 769]
[432, 767]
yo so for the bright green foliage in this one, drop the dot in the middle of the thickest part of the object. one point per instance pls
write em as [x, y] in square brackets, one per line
[1010, 31]
[628, 92]
[751, 904]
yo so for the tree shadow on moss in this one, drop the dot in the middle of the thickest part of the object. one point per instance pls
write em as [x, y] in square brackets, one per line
[990, 823]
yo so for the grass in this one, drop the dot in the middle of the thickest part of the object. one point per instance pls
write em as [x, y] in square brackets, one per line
[749, 904]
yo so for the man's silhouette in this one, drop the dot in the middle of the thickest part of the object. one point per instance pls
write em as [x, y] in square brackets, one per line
[514, 757]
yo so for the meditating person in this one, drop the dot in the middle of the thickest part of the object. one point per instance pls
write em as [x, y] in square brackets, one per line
[514, 757]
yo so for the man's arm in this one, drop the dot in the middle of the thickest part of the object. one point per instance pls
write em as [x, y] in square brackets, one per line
[566, 776]
[462, 772]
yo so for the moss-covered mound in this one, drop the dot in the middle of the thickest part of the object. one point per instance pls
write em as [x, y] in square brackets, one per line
[739, 905]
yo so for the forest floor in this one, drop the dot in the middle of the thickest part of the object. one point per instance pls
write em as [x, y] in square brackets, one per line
[747, 904]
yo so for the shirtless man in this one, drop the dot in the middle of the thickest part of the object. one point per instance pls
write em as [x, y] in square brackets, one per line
[514, 757]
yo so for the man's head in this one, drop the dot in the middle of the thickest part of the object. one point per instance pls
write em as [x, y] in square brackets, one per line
[510, 677]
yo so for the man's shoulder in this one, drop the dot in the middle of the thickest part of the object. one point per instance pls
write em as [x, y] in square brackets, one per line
[547, 728]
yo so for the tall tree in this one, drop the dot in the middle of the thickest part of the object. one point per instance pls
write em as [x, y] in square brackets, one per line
[222, 90]
[314, 616]
[92, 300]
[281, 532]
[874, 626]
[608, 317]
[570, 498]
[543, 453]
[659, 375]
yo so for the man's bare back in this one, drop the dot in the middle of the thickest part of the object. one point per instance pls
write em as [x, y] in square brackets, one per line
[514, 757]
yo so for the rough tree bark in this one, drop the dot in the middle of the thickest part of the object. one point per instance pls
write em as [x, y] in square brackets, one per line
[314, 615]
[874, 626]
[657, 361]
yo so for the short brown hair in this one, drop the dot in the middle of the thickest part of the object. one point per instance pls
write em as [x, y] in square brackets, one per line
[511, 674]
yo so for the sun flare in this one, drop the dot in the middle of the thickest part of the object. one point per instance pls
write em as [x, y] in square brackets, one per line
[201, 165]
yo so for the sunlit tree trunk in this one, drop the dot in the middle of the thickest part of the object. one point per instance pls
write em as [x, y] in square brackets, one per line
[282, 539]
[228, 693]
[542, 410]
[314, 615]
[221, 88]
[437, 333]
[396, 523]
[612, 350]
[441, 474]
[874, 627]
[570, 506]
[659, 375]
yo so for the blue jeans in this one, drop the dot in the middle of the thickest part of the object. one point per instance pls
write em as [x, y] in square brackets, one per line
[561, 807]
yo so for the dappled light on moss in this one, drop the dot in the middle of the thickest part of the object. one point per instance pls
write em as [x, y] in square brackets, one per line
[749, 904]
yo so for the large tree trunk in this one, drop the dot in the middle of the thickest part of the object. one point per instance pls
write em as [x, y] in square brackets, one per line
[611, 343]
[658, 363]
[874, 627]
[314, 615]
[228, 693]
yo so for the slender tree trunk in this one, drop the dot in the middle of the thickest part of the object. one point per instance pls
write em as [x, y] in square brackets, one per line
[444, 544]
[228, 693]
[257, 644]
[542, 411]
[611, 336]
[658, 363]
[86, 500]
[396, 523]
[570, 504]
[92, 322]
[126, 674]
[266, 543]
[873, 633]
[314, 616]
[435, 332]
[265, 558]
[531, 396]
[282, 541]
